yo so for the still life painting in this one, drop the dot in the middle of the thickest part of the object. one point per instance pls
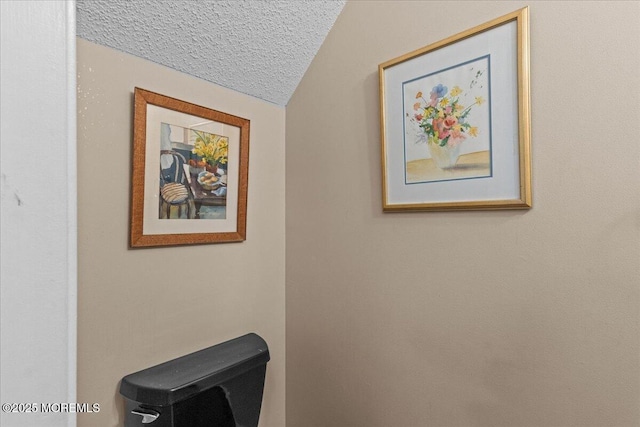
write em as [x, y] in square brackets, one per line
[193, 173]
[190, 173]
[455, 121]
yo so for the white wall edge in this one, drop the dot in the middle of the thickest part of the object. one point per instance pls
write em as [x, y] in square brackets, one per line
[72, 206]
[38, 218]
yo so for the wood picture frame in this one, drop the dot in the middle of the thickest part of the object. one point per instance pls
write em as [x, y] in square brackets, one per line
[190, 173]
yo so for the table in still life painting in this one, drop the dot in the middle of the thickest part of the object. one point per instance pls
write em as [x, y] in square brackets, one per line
[193, 174]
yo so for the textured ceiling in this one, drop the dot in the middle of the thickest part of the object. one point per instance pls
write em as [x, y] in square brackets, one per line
[261, 48]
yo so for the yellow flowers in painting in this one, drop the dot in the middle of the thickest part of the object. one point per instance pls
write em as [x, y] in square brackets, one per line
[213, 149]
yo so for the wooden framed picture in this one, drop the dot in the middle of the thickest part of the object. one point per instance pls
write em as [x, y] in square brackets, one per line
[190, 173]
[455, 121]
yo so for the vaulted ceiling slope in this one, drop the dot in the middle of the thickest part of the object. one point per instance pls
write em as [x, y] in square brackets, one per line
[260, 48]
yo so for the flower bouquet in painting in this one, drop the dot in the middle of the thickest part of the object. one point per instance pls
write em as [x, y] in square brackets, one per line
[447, 124]
[444, 120]
[212, 150]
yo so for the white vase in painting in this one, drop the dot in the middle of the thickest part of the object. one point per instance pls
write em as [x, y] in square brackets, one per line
[445, 156]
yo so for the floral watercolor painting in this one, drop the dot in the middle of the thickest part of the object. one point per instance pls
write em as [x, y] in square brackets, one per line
[447, 124]
[455, 121]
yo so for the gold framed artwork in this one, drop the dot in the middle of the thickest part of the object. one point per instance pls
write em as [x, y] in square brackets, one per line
[455, 121]
[190, 173]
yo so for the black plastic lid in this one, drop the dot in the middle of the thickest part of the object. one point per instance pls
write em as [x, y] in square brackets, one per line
[188, 375]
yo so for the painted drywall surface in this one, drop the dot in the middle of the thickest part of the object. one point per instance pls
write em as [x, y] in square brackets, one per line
[521, 318]
[38, 250]
[141, 307]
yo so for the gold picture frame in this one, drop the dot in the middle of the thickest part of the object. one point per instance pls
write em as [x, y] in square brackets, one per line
[190, 173]
[455, 121]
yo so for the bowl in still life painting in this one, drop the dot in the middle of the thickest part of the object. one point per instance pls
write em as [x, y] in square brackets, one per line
[209, 181]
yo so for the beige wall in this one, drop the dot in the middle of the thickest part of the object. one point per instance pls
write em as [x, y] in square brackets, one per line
[141, 307]
[508, 318]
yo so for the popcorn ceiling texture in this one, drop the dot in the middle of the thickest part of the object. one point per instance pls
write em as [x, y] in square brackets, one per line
[260, 48]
